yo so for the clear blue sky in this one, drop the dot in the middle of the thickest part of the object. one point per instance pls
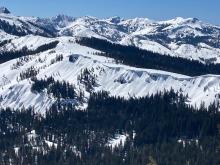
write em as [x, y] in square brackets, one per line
[206, 10]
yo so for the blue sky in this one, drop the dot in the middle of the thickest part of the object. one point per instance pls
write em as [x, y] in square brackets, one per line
[206, 10]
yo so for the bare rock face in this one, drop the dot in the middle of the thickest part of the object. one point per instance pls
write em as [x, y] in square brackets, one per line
[4, 10]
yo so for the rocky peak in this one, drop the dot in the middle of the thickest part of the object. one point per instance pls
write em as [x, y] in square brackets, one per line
[4, 10]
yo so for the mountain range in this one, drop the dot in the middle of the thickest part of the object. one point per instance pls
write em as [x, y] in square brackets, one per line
[41, 41]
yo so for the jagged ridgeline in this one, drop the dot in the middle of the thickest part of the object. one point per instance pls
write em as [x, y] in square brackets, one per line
[133, 56]
[160, 129]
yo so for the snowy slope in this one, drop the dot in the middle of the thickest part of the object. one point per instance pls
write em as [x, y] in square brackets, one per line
[30, 41]
[21, 26]
[117, 79]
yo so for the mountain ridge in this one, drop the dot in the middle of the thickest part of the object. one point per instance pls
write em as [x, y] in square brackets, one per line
[188, 38]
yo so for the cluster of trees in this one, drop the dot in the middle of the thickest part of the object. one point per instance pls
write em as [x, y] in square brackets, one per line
[20, 62]
[11, 29]
[28, 73]
[88, 79]
[24, 30]
[46, 32]
[153, 126]
[136, 57]
[57, 59]
[62, 90]
[13, 54]
[44, 47]
[73, 58]
[167, 116]
[4, 42]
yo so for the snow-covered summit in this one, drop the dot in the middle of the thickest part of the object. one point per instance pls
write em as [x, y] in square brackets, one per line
[181, 20]
[115, 19]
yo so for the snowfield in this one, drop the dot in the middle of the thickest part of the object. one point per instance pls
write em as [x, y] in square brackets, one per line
[117, 79]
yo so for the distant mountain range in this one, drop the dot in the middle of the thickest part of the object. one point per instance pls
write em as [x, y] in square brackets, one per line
[188, 38]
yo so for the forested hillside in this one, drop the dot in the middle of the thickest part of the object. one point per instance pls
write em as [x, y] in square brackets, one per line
[159, 129]
[134, 56]
[13, 54]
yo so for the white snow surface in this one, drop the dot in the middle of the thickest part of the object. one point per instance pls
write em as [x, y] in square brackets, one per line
[117, 79]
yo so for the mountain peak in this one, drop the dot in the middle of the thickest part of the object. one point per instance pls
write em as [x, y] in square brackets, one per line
[115, 19]
[180, 20]
[62, 17]
[193, 20]
[4, 10]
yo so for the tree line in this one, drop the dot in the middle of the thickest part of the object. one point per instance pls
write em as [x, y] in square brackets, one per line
[13, 54]
[133, 56]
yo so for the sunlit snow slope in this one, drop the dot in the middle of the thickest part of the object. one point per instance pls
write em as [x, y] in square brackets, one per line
[119, 80]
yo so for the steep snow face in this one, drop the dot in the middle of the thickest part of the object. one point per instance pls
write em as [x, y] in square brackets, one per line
[202, 52]
[119, 80]
[5, 36]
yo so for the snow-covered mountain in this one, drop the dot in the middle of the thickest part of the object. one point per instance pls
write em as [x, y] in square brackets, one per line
[115, 78]
[188, 38]
[21, 26]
